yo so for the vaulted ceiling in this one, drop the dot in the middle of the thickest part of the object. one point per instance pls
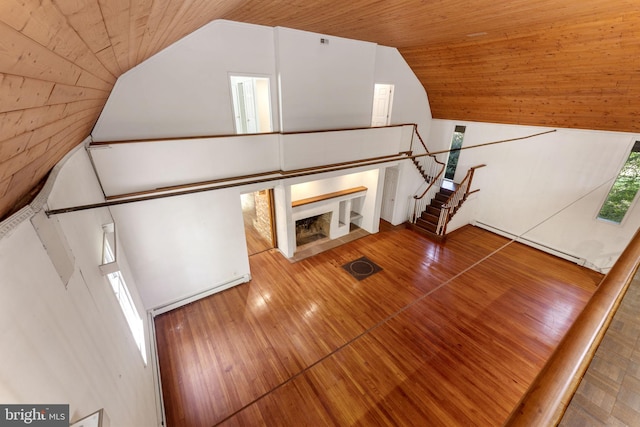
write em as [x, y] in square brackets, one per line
[561, 63]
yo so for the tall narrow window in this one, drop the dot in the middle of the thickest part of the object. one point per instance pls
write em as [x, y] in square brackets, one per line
[624, 189]
[251, 104]
[110, 268]
[456, 143]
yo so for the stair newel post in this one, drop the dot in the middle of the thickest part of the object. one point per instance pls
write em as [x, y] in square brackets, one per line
[442, 220]
[446, 221]
[419, 206]
[473, 171]
[413, 138]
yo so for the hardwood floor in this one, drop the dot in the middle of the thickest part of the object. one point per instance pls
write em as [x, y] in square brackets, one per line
[444, 335]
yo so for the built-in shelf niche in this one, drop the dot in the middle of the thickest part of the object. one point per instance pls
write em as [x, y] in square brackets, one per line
[350, 211]
[356, 211]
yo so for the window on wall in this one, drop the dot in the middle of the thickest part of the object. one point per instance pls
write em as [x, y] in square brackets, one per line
[110, 269]
[625, 188]
[454, 154]
[251, 104]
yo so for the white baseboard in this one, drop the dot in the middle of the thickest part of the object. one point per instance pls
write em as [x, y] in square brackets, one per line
[189, 299]
[533, 244]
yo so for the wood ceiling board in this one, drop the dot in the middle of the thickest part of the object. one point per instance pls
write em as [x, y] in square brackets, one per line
[561, 63]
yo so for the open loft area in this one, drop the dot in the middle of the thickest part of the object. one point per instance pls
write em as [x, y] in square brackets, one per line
[151, 156]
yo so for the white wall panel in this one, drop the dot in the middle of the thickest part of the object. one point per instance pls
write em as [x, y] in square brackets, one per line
[304, 150]
[184, 245]
[324, 86]
[125, 168]
[184, 90]
[548, 188]
[410, 102]
[70, 344]
[190, 244]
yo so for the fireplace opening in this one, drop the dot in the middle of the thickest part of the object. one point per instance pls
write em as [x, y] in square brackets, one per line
[314, 228]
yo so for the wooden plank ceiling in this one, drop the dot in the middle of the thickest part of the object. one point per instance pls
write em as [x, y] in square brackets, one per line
[561, 63]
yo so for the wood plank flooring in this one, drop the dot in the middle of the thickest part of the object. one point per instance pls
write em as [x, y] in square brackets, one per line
[444, 335]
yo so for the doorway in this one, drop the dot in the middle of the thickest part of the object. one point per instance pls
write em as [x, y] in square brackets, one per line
[389, 193]
[258, 215]
[382, 102]
[251, 104]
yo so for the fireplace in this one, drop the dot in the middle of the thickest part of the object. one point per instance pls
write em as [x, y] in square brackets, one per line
[313, 228]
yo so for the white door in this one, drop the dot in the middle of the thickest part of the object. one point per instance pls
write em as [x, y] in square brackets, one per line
[389, 194]
[382, 100]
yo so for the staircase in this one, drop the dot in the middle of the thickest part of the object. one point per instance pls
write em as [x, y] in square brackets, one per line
[428, 220]
[440, 199]
[432, 219]
[432, 165]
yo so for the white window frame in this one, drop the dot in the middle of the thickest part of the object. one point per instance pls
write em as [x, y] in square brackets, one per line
[111, 270]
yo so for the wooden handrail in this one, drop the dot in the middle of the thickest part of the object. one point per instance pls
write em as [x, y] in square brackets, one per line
[428, 169]
[433, 181]
[549, 395]
[468, 177]
[188, 189]
[236, 135]
[415, 129]
[435, 159]
[280, 172]
[455, 199]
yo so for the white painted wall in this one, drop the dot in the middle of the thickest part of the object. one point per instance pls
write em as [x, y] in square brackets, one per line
[131, 167]
[191, 244]
[410, 183]
[410, 105]
[282, 201]
[303, 150]
[184, 90]
[70, 345]
[184, 245]
[410, 102]
[324, 86]
[548, 189]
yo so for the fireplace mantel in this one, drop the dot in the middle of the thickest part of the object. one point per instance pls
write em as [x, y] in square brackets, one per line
[327, 196]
